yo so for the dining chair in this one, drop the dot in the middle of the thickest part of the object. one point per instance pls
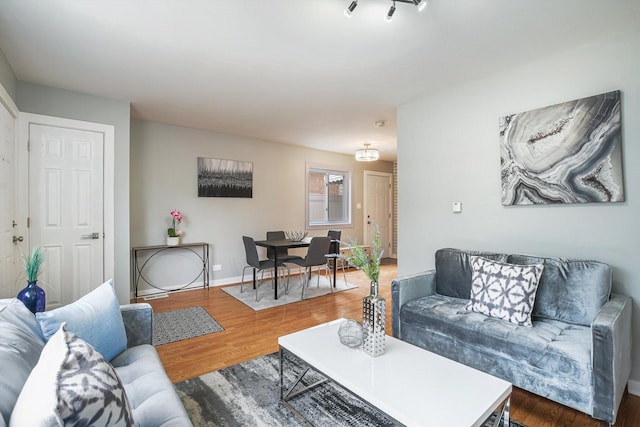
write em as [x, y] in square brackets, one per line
[283, 253]
[254, 262]
[318, 248]
[334, 254]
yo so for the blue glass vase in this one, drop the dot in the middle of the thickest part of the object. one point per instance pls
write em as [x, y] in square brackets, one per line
[33, 297]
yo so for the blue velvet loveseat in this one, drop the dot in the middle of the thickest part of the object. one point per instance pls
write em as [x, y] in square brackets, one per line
[577, 351]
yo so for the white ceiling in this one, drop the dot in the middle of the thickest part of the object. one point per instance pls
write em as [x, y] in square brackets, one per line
[292, 71]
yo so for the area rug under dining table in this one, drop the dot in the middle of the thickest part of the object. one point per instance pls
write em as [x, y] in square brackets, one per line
[248, 394]
[317, 288]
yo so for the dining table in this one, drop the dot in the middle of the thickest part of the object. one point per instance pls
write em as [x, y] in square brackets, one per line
[288, 244]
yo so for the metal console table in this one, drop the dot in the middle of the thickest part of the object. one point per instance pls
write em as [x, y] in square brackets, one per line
[200, 249]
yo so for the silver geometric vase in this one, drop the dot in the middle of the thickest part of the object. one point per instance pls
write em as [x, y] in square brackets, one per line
[374, 309]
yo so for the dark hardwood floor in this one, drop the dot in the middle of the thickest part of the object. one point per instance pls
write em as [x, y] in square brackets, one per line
[249, 334]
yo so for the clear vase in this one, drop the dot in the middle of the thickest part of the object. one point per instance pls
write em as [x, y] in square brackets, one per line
[33, 297]
[374, 310]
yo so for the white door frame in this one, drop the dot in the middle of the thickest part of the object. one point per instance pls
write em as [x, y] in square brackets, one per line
[367, 238]
[22, 200]
[12, 108]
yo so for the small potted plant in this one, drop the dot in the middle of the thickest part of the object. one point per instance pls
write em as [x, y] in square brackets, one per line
[173, 237]
[32, 295]
[358, 257]
[373, 306]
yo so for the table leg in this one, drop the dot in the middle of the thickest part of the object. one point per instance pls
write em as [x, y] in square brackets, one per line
[289, 394]
[275, 271]
[335, 268]
[135, 275]
[503, 414]
[281, 374]
[205, 265]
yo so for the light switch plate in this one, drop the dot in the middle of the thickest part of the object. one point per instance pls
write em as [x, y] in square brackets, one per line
[456, 207]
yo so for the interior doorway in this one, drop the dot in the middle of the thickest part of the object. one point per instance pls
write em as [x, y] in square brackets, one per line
[378, 209]
[67, 200]
[9, 284]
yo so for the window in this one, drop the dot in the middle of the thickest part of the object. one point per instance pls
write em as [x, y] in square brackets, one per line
[328, 197]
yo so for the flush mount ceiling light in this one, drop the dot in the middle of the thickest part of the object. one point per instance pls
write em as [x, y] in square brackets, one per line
[367, 154]
[421, 4]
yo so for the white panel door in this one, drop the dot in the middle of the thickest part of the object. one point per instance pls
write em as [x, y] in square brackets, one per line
[8, 251]
[378, 208]
[66, 209]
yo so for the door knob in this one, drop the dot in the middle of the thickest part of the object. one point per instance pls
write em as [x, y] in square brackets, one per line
[90, 236]
[17, 239]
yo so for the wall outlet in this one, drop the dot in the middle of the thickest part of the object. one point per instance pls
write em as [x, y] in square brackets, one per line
[217, 267]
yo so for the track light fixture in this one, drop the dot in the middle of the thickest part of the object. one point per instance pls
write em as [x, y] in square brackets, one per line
[392, 10]
[349, 10]
[421, 4]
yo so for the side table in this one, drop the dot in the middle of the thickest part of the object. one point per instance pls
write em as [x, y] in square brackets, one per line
[200, 249]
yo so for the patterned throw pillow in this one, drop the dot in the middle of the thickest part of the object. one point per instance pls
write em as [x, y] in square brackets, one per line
[72, 385]
[504, 291]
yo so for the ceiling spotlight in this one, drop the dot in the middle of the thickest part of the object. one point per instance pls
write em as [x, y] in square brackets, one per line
[420, 4]
[349, 10]
[367, 154]
[392, 10]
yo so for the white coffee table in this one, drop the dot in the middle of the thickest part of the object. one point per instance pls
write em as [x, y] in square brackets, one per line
[412, 385]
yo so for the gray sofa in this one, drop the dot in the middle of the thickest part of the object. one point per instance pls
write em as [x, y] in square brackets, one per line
[151, 395]
[577, 353]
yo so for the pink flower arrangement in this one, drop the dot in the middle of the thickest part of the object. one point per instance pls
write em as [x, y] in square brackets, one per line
[176, 217]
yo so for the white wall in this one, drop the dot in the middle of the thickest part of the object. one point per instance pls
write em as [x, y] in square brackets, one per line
[38, 99]
[448, 150]
[164, 177]
[7, 77]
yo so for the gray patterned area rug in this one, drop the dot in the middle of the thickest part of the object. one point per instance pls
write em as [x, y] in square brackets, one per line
[248, 394]
[178, 325]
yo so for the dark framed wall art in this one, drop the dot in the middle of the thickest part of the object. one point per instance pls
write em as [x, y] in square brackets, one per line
[565, 153]
[224, 178]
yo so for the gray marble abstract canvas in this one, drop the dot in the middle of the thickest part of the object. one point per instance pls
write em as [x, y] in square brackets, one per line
[564, 153]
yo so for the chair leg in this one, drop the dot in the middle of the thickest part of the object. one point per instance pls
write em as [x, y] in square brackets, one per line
[257, 285]
[243, 271]
[327, 272]
[307, 271]
[286, 291]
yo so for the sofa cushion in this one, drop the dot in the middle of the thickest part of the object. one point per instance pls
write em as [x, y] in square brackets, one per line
[72, 384]
[21, 342]
[551, 359]
[453, 271]
[570, 290]
[95, 318]
[550, 345]
[152, 397]
[504, 291]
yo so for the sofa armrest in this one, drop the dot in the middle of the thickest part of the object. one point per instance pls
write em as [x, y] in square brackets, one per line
[407, 288]
[611, 339]
[138, 323]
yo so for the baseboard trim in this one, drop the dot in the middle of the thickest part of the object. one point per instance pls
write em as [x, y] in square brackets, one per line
[198, 285]
[634, 387]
